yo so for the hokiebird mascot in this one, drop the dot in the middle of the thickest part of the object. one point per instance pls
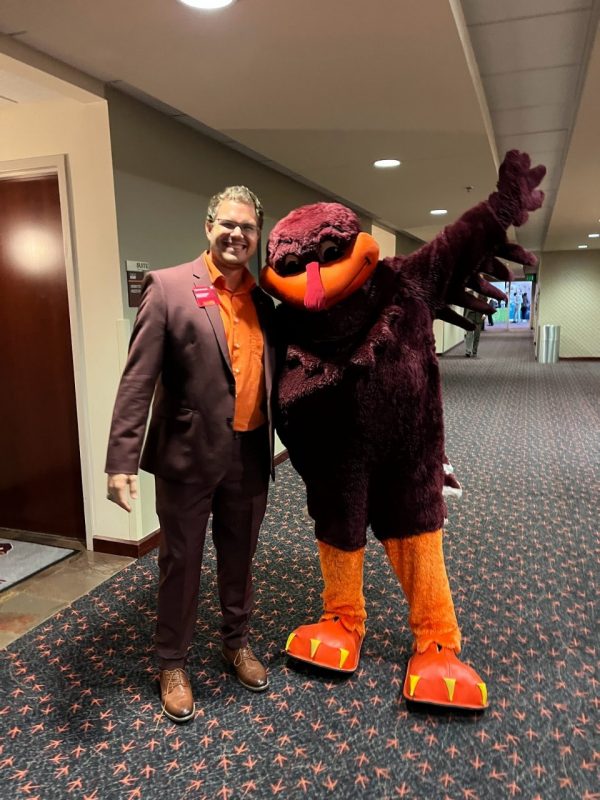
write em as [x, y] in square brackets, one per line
[359, 409]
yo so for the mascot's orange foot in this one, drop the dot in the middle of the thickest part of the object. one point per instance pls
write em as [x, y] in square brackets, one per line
[326, 644]
[438, 677]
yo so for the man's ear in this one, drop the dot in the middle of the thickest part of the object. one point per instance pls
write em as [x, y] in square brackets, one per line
[208, 225]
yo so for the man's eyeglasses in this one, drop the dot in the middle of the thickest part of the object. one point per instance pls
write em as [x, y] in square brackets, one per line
[246, 228]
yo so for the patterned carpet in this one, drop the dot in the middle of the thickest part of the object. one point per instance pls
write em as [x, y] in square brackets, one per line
[79, 709]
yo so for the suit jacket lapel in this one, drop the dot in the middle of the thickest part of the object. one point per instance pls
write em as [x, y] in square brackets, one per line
[202, 278]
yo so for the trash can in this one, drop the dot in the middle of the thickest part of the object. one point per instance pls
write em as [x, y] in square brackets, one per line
[549, 344]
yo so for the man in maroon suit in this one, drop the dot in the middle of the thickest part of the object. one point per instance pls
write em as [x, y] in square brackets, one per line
[202, 345]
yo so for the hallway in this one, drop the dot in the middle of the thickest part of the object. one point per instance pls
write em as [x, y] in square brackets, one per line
[521, 550]
[501, 343]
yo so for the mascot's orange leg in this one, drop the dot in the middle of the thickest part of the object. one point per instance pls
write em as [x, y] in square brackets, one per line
[335, 641]
[435, 675]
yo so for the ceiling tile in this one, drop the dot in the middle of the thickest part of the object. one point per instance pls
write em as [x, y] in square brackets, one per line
[534, 119]
[551, 160]
[531, 87]
[549, 41]
[551, 141]
[577, 207]
[485, 11]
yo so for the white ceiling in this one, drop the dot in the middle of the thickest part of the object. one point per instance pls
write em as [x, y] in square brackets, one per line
[321, 88]
[18, 89]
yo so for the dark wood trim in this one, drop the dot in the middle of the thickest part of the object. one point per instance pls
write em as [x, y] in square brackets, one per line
[124, 547]
[579, 358]
[50, 539]
[279, 459]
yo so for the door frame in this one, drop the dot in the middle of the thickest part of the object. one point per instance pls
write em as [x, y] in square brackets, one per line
[58, 165]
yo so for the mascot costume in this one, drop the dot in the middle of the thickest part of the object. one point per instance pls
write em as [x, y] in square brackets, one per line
[360, 412]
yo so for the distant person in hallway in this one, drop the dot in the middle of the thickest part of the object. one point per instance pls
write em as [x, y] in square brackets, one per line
[203, 337]
[472, 337]
[524, 307]
[516, 306]
[490, 317]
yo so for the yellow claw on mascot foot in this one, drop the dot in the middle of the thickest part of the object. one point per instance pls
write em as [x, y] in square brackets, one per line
[437, 677]
[326, 644]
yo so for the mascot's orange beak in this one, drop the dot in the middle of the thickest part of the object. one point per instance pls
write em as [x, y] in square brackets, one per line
[324, 285]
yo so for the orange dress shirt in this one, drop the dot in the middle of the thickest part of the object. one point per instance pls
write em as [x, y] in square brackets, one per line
[246, 345]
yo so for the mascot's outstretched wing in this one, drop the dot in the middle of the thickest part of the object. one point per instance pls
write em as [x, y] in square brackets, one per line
[457, 260]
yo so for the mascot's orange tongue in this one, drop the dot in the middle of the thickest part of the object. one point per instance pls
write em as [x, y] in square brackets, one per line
[314, 297]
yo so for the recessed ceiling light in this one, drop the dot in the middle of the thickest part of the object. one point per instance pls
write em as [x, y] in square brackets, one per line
[593, 235]
[438, 212]
[207, 5]
[386, 163]
[582, 246]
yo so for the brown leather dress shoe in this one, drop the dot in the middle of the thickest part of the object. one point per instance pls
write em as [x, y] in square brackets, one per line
[176, 694]
[250, 672]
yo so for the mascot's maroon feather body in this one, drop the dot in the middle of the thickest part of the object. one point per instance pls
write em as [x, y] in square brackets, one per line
[360, 412]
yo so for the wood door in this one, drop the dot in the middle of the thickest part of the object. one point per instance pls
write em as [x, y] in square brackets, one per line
[40, 473]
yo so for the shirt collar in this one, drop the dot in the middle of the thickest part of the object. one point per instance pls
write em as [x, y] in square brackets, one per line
[218, 279]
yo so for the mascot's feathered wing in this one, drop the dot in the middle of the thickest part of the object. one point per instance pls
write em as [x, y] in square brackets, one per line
[360, 412]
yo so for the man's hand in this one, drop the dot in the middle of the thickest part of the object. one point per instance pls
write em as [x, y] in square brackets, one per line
[116, 489]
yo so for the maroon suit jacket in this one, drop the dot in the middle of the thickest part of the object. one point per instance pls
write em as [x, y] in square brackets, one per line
[178, 353]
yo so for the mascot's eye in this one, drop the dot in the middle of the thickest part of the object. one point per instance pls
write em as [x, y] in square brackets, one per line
[329, 251]
[289, 266]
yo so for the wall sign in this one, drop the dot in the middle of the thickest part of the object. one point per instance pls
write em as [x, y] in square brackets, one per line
[136, 270]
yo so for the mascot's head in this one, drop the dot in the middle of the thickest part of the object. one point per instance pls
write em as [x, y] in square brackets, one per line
[317, 256]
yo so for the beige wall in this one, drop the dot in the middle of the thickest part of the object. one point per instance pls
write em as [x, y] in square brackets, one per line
[79, 131]
[406, 244]
[569, 286]
[164, 175]
[447, 336]
[385, 239]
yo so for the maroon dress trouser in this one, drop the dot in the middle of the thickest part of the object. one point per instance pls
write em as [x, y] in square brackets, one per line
[238, 506]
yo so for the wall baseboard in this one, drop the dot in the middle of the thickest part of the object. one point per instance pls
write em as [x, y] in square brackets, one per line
[279, 459]
[125, 547]
[450, 349]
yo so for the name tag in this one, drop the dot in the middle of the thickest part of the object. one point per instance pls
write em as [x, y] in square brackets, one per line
[205, 296]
